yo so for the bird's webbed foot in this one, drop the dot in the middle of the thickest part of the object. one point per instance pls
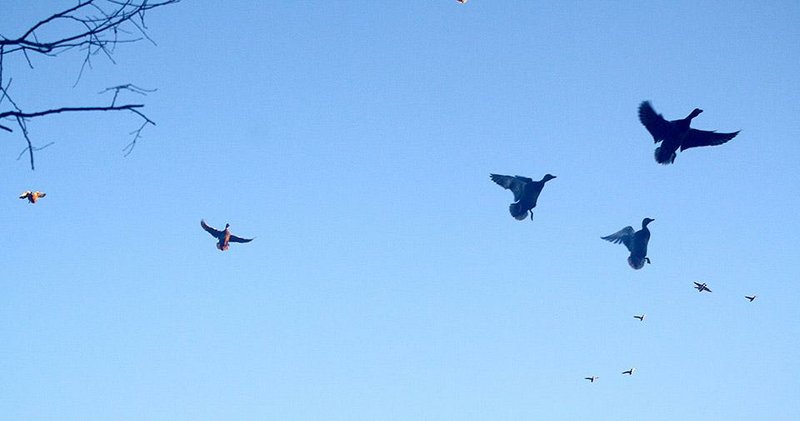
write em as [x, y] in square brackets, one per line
[531, 212]
[647, 259]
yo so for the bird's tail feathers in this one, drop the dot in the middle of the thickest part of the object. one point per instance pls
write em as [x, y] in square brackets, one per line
[664, 156]
[636, 262]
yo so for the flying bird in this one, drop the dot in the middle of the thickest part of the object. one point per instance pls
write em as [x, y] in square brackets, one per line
[592, 378]
[526, 193]
[640, 317]
[636, 242]
[629, 372]
[677, 133]
[32, 196]
[224, 238]
[751, 297]
[701, 287]
[462, 1]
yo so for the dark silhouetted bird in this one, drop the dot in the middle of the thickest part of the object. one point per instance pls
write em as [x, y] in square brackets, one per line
[677, 133]
[32, 196]
[641, 318]
[701, 287]
[462, 1]
[526, 193]
[751, 297]
[224, 238]
[629, 372]
[592, 378]
[636, 242]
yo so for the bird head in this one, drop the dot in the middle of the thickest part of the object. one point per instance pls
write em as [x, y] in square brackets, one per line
[646, 221]
[227, 226]
[548, 177]
[696, 112]
[517, 211]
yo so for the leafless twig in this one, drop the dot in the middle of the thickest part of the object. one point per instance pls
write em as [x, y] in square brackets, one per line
[93, 26]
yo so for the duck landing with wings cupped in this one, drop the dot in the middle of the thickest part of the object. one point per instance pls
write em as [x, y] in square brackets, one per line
[636, 242]
[526, 193]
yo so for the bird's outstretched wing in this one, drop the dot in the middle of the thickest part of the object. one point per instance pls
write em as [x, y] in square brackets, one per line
[236, 239]
[214, 233]
[24, 195]
[515, 184]
[654, 122]
[624, 236]
[695, 138]
[42, 194]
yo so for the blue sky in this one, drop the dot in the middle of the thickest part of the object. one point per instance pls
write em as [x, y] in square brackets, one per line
[354, 140]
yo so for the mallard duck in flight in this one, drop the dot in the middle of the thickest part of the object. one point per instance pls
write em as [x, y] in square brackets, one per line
[677, 133]
[636, 242]
[32, 196]
[224, 237]
[526, 193]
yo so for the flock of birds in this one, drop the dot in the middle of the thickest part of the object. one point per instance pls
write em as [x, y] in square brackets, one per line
[673, 135]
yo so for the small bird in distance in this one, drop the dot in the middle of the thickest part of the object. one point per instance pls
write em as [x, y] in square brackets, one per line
[640, 317]
[592, 378]
[701, 287]
[629, 371]
[751, 297]
[32, 196]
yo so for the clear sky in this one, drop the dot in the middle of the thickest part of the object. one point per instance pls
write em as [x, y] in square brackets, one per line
[387, 281]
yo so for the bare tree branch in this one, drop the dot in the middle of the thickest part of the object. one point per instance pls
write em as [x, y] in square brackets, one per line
[20, 114]
[95, 27]
[35, 148]
[24, 128]
[128, 86]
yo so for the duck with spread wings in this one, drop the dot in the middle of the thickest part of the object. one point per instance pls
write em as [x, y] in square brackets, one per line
[526, 193]
[636, 242]
[224, 237]
[677, 134]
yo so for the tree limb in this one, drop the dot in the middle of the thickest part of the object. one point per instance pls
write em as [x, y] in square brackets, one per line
[97, 26]
[20, 114]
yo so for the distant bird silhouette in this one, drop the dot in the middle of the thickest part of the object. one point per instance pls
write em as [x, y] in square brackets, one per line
[629, 372]
[223, 237]
[592, 378]
[636, 242]
[32, 196]
[701, 287]
[751, 297]
[677, 133]
[462, 1]
[641, 318]
[526, 192]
